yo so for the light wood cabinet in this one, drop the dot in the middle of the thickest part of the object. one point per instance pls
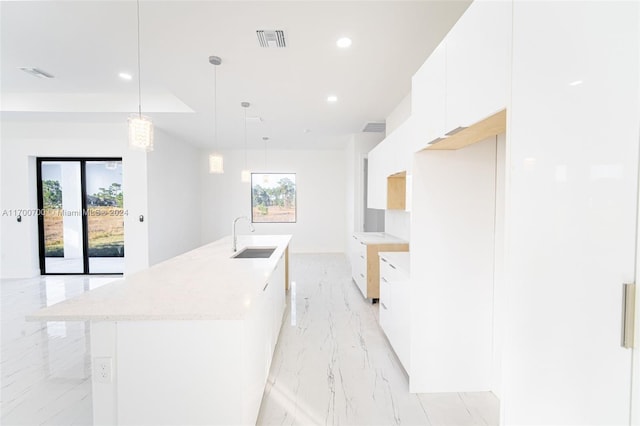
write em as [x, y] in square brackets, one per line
[365, 264]
[397, 191]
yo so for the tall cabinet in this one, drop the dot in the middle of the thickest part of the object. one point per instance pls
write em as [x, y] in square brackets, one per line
[573, 187]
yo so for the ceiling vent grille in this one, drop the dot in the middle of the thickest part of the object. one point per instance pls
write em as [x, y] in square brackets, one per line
[36, 72]
[271, 38]
[374, 127]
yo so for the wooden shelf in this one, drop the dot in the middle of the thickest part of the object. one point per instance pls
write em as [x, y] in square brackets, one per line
[490, 126]
[397, 191]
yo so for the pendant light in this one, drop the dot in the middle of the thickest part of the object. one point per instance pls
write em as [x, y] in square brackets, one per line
[265, 176]
[245, 175]
[216, 162]
[140, 126]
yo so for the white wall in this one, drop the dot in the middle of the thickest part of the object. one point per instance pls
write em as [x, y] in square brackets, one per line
[321, 193]
[398, 223]
[174, 198]
[21, 144]
[452, 269]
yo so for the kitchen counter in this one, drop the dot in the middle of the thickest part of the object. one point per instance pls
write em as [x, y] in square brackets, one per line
[187, 341]
[202, 284]
[378, 238]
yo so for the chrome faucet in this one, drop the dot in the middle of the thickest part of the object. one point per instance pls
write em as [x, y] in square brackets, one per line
[233, 230]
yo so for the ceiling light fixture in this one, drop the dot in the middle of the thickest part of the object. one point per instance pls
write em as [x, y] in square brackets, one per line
[265, 139]
[576, 83]
[140, 127]
[245, 175]
[125, 76]
[216, 161]
[343, 42]
[332, 98]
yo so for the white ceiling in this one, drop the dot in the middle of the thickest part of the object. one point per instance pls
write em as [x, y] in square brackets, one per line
[85, 44]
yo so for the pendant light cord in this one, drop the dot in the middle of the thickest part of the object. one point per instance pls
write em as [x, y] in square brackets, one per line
[139, 77]
[215, 107]
[245, 138]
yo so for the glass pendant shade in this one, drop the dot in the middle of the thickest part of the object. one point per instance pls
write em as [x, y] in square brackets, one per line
[216, 164]
[140, 133]
[245, 176]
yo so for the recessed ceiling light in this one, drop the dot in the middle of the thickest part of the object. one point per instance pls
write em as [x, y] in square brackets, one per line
[343, 42]
[332, 98]
[125, 76]
[576, 83]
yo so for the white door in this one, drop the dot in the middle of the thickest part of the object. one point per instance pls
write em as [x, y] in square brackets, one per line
[573, 135]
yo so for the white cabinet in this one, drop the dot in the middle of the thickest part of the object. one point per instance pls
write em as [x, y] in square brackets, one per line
[376, 177]
[477, 63]
[573, 147]
[395, 305]
[274, 299]
[359, 264]
[365, 269]
[465, 79]
[428, 97]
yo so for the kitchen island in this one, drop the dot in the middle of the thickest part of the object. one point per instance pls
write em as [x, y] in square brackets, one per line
[187, 341]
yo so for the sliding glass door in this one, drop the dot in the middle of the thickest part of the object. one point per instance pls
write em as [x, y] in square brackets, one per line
[82, 222]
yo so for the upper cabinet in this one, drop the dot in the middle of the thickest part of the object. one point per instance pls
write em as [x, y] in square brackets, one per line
[397, 191]
[477, 63]
[465, 79]
[428, 98]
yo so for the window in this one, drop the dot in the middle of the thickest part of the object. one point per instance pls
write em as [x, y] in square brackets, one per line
[273, 197]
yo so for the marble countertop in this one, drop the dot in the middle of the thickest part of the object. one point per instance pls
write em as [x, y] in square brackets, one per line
[399, 259]
[378, 238]
[202, 284]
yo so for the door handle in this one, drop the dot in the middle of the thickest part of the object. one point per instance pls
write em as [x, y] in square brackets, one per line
[628, 314]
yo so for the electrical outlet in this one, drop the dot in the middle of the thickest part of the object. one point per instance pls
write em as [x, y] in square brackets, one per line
[102, 369]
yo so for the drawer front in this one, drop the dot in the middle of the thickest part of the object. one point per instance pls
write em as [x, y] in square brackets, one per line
[390, 272]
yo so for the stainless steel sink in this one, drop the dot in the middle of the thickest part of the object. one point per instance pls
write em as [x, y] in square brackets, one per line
[254, 253]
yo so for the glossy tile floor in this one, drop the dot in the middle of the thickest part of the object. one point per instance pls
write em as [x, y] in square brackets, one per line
[332, 364]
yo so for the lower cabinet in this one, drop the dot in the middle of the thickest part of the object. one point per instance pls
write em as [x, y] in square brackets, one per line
[395, 305]
[359, 264]
[264, 331]
[365, 269]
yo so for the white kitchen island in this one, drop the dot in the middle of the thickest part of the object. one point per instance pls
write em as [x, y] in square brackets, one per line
[188, 341]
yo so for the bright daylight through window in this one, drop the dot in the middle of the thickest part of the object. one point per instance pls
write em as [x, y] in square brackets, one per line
[273, 197]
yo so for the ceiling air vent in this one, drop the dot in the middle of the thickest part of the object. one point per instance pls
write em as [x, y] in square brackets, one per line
[374, 127]
[271, 38]
[36, 72]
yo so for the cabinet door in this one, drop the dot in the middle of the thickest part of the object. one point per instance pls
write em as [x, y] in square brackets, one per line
[428, 99]
[477, 63]
[572, 217]
[376, 178]
[386, 305]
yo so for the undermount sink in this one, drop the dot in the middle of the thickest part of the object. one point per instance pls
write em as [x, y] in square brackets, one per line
[254, 253]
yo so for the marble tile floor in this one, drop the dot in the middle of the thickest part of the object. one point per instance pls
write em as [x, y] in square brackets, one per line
[332, 365]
